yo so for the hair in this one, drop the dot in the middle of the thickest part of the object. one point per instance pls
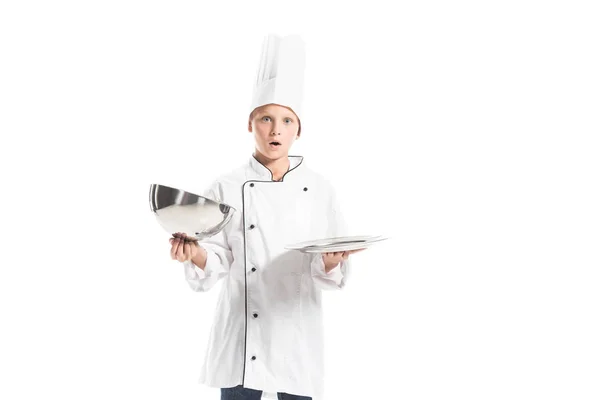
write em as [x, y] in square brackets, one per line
[251, 117]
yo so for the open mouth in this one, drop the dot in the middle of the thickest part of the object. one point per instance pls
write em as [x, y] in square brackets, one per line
[274, 144]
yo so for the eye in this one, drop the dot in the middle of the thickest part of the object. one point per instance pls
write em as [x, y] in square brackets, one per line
[288, 120]
[266, 119]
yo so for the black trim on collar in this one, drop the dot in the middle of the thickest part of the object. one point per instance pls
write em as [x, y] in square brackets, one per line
[271, 173]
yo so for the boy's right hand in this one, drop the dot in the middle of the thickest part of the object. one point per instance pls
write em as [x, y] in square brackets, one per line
[183, 248]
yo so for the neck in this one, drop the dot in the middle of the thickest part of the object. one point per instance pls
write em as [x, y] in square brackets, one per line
[278, 167]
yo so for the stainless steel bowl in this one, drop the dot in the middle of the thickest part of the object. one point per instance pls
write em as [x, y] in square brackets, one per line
[179, 211]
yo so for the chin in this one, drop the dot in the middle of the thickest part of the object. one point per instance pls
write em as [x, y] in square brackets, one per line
[275, 154]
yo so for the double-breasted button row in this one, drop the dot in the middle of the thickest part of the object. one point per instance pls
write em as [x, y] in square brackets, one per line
[255, 315]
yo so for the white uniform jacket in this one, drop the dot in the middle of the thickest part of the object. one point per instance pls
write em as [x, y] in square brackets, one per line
[267, 332]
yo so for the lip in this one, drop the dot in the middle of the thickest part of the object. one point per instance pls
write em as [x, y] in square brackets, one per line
[274, 146]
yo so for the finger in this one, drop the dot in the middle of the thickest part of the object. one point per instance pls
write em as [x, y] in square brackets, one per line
[187, 251]
[174, 249]
[345, 255]
[180, 248]
[190, 239]
[173, 242]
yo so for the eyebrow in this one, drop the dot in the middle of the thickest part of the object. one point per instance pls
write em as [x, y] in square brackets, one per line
[267, 114]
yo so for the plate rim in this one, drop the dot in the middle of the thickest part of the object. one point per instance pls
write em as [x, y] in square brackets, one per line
[321, 250]
[304, 244]
[318, 249]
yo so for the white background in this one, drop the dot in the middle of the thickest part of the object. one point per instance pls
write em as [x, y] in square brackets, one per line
[466, 131]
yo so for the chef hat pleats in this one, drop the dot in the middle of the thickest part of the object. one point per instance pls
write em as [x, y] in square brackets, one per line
[280, 75]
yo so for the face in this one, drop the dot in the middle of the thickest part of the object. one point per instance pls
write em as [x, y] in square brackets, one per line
[275, 129]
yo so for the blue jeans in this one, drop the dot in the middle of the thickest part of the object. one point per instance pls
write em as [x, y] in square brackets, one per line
[242, 393]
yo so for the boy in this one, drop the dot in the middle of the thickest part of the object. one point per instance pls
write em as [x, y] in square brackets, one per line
[267, 335]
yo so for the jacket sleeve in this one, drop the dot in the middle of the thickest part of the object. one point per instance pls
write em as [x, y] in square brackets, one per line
[219, 255]
[336, 226]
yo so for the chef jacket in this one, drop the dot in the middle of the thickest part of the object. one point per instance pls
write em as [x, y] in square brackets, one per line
[267, 332]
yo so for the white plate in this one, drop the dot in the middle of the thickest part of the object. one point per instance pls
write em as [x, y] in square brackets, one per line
[341, 247]
[331, 241]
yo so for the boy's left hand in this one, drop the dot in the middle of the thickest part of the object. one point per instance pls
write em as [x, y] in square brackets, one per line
[332, 260]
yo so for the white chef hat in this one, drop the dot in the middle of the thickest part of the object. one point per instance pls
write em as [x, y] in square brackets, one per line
[280, 76]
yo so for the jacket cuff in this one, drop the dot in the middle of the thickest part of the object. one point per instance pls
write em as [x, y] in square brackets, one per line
[213, 264]
[318, 268]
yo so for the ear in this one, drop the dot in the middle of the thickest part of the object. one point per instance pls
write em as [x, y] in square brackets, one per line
[249, 126]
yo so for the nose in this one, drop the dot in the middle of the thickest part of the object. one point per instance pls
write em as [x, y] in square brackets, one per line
[276, 130]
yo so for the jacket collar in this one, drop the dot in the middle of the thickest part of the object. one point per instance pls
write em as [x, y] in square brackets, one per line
[264, 174]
